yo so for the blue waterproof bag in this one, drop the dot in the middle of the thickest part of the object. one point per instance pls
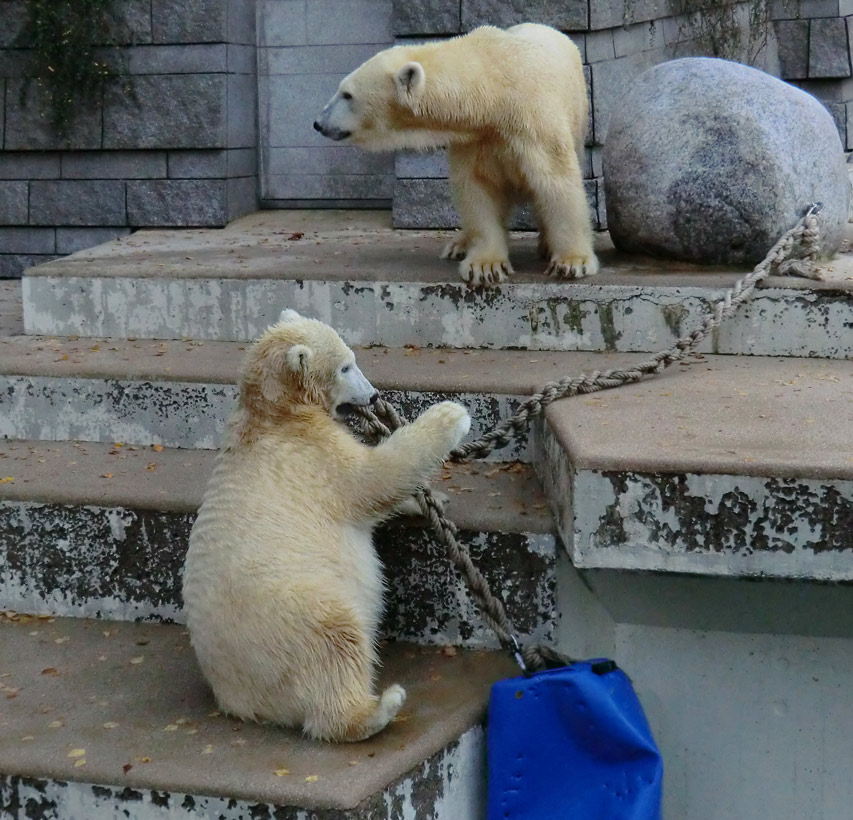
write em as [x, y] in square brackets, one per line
[572, 744]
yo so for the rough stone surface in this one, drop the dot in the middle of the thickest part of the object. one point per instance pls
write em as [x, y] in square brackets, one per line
[169, 111]
[710, 161]
[566, 15]
[28, 240]
[176, 202]
[71, 240]
[13, 202]
[414, 17]
[829, 51]
[28, 126]
[77, 202]
[28, 165]
[793, 39]
[113, 164]
[203, 21]
[12, 265]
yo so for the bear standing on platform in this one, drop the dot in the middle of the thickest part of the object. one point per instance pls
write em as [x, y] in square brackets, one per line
[512, 108]
[282, 586]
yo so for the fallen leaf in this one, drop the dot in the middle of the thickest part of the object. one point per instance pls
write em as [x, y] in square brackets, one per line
[152, 466]
[52, 671]
[110, 724]
[55, 724]
[157, 448]
[172, 727]
[137, 660]
[8, 480]
[281, 772]
[207, 750]
[28, 737]
[126, 768]
[80, 762]
[63, 639]
[312, 778]
[77, 753]
[106, 475]
[449, 651]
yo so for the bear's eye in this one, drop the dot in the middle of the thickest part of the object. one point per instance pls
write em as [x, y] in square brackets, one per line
[346, 95]
[345, 368]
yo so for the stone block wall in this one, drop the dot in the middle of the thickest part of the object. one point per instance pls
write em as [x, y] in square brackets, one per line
[618, 39]
[815, 47]
[305, 48]
[181, 150]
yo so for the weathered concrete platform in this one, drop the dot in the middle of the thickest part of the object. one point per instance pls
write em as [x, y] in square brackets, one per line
[381, 286]
[180, 394]
[101, 716]
[88, 529]
[731, 466]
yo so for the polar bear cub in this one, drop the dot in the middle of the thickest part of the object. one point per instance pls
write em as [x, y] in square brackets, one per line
[512, 108]
[282, 586]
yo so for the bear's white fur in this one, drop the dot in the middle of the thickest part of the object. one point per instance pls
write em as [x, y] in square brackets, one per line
[512, 108]
[282, 586]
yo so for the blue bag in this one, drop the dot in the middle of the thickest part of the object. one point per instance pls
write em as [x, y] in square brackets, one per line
[572, 744]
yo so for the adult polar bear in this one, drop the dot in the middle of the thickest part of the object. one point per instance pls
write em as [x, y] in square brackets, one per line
[512, 108]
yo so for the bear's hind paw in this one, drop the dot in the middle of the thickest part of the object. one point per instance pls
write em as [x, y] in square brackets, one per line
[455, 249]
[485, 273]
[573, 267]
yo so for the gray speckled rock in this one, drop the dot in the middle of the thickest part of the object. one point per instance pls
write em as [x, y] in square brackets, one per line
[711, 161]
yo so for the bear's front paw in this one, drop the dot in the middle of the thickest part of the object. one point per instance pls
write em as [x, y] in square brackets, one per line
[573, 266]
[452, 418]
[479, 271]
[456, 248]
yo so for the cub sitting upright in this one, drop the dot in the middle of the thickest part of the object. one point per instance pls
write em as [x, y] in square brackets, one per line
[512, 108]
[282, 587]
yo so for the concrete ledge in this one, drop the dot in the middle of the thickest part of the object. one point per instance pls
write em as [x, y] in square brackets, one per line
[120, 712]
[734, 467]
[180, 394]
[387, 287]
[92, 530]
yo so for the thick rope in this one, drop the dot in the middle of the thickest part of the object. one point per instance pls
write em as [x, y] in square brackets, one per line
[795, 251]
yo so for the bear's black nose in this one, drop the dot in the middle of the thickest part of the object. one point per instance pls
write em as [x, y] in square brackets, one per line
[374, 398]
[317, 126]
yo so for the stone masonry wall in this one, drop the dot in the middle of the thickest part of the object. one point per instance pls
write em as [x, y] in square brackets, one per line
[305, 48]
[815, 45]
[182, 153]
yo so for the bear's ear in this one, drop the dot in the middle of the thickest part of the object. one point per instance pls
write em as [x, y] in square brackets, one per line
[410, 81]
[298, 359]
[288, 315]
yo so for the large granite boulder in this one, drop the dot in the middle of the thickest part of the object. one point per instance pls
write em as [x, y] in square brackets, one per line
[710, 161]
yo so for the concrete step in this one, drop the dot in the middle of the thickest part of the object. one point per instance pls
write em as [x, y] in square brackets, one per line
[180, 394]
[376, 285]
[88, 529]
[104, 719]
[728, 466]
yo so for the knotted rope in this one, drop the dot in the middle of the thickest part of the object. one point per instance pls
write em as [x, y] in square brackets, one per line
[794, 252]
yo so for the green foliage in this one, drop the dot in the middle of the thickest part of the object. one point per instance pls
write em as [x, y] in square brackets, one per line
[729, 29]
[71, 61]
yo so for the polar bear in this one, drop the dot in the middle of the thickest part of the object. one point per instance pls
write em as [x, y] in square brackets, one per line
[282, 586]
[512, 108]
